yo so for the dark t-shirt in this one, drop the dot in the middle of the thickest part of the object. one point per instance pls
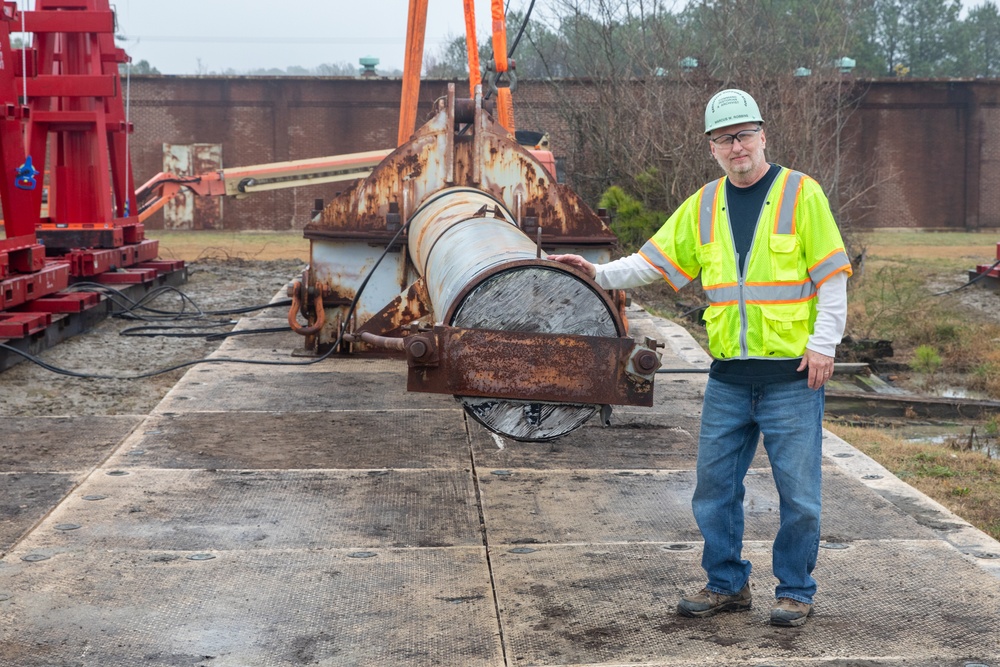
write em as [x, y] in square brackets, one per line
[743, 206]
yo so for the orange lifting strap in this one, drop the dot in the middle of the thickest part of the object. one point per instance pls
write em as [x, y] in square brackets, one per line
[505, 108]
[499, 36]
[416, 26]
[505, 103]
[472, 46]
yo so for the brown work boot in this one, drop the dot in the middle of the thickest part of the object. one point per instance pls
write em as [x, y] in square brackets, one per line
[790, 613]
[708, 603]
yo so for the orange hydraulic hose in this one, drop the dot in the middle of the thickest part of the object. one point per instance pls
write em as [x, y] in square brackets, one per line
[416, 27]
[472, 46]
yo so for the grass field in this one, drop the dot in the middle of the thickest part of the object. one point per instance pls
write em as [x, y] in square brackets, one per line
[194, 245]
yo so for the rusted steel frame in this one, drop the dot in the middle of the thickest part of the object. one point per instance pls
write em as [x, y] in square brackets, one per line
[478, 129]
[410, 306]
[484, 157]
[558, 368]
[293, 312]
[449, 138]
[557, 266]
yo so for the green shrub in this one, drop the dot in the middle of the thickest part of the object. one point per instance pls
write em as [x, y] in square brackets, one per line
[926, 359]
[631, 221]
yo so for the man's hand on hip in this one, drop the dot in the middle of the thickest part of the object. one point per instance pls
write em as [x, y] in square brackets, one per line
[820, 368]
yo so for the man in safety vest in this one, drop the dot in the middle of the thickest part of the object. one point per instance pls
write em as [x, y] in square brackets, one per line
[774, 269]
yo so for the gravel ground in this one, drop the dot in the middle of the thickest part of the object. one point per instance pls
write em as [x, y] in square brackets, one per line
[29, 390]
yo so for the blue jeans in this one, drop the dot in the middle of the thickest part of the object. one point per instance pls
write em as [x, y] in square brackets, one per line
[790, 415]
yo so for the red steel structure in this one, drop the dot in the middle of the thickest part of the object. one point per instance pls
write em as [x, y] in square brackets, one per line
[64, 134]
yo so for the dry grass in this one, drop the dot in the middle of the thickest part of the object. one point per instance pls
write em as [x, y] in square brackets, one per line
[263, 246]
[966, 482]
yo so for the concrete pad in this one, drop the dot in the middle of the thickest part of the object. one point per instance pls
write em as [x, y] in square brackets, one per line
[263, 388]
[227, 510]
[528, 507]
[251, 608]
[50, 444]
[880, 603]
[25, 498]
[247, 337]
[286, 440]
[634, 440]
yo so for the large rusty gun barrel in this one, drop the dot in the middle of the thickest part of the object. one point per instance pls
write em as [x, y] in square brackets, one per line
[530, 347]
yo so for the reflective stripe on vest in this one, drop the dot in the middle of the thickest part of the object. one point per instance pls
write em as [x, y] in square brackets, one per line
[833, 263]
[785, 223]
[670, 271]
[764, 293]
[758, 293]
[706, 212]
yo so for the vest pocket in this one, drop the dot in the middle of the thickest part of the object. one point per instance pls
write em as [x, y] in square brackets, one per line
[785, 257]
[786, 329]
[722, 324]
[709, 256]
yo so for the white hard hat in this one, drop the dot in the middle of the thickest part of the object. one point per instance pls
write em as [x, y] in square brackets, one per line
[730, 107]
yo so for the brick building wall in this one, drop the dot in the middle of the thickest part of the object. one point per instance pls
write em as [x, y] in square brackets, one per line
[259, 120]
[929, 142]
[934, 156]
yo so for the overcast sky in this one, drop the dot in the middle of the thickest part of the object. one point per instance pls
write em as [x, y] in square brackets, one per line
[200, 36]
[247, 34]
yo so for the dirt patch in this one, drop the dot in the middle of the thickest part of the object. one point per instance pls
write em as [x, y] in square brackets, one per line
[29, 390]
[982, 301]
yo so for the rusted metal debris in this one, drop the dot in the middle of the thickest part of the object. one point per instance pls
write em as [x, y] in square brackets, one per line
[908, 406]
[530, 366]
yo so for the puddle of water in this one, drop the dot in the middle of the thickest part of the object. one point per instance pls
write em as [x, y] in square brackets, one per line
[944, 434]
[979, 442]
[961, 392]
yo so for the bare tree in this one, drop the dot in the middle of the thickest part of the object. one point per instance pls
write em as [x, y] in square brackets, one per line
[638, 121]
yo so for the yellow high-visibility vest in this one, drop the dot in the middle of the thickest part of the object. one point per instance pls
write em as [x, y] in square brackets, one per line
[770, 312]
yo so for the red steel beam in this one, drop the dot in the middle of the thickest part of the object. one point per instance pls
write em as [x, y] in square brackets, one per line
[69, 21]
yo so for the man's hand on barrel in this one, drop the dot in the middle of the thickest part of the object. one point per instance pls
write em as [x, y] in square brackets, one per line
[577, 262]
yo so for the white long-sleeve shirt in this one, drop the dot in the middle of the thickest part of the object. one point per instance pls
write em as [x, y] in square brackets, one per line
[831, 306]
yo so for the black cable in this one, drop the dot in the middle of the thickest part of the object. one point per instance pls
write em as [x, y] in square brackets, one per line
[151, 331]
[128, 305]
[976, 279]
[220, 360]
[246, 332]
[520, 32]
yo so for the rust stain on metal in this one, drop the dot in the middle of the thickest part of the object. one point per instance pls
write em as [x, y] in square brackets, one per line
[423, 166]
[293, 312]
[531, 366]
[412, 305]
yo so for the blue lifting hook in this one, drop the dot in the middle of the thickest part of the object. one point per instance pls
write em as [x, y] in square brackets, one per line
[26, 173]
